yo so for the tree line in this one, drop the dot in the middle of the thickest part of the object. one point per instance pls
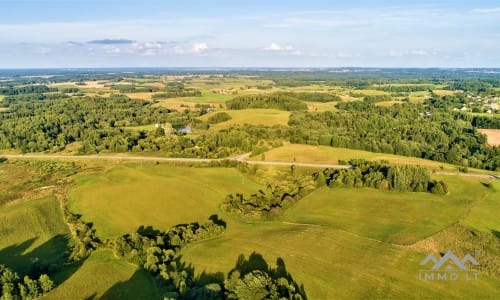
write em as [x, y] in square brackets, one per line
[401, 129]
[274, 100]
[271, 203]
[380, 175]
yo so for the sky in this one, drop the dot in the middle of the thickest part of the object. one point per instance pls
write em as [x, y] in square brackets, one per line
[250, 33]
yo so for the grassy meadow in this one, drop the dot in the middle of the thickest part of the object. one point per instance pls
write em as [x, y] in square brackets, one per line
[32, 230]
[121, 199]
[102, 276]
[338, 243]
[351, 244]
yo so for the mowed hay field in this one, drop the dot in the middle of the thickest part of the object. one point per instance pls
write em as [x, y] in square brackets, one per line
[32, 230]
[257, 116]
[332, 155]
[493, 136]
[123, 198]
[348, 249]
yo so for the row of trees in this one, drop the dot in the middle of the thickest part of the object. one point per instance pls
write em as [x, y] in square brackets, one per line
[311, 96]
[269, 204]
[405, 88]
[26, 89]
[379, 175]
[275, 100]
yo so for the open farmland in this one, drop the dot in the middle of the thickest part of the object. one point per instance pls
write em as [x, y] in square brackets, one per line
[268, 117]
[332, 155]
[124, 198]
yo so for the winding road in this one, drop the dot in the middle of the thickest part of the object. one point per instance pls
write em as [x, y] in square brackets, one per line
[241, 158]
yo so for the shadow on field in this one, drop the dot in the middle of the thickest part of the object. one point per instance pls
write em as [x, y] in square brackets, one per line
[257, 262]
[133, 288]
[496, 233]
[48, 258]
[208, 285]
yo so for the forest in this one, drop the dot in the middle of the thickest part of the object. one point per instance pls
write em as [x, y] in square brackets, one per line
[37, 118]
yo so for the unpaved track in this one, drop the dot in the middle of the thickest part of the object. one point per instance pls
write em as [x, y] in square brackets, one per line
[241, 158]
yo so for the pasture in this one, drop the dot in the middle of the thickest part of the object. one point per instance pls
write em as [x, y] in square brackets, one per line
[121, 199]
[31, 231]
[344, 243]
[102, 276]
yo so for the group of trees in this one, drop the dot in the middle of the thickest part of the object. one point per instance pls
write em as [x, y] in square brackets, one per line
[275, 100]
[376, 98]
[269, 204]
[379, 175]
[13, 287]
[26, 89]
[158, 252]
[219, 117]
[404, 88]
[311, 96]
[400, 129]
[83, 237]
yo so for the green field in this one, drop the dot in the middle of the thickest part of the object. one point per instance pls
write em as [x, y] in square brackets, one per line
[341, 251]
[102, 276]
[394, 217]
[339, 243]
[128, 196]
[30, 231]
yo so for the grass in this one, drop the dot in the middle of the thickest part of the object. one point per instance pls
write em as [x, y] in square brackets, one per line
[32, 230]
[148, 127]
[102, 276]
[481, 216]
[255, 116]
[388, 216]
[443, 92]
[331, 155]
[120, 200]
[333, 262]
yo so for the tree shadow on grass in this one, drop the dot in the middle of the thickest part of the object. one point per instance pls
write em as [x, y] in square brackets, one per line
[48, 258]
[496, 233]
[133, 288]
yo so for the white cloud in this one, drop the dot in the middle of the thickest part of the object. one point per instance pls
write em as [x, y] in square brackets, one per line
[289, 49]
[199, 47]
[276, 47]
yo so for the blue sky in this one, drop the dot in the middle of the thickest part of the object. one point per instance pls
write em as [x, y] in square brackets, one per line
[126, 33]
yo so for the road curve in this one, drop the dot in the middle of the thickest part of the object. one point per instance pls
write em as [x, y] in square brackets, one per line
[241, 158]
